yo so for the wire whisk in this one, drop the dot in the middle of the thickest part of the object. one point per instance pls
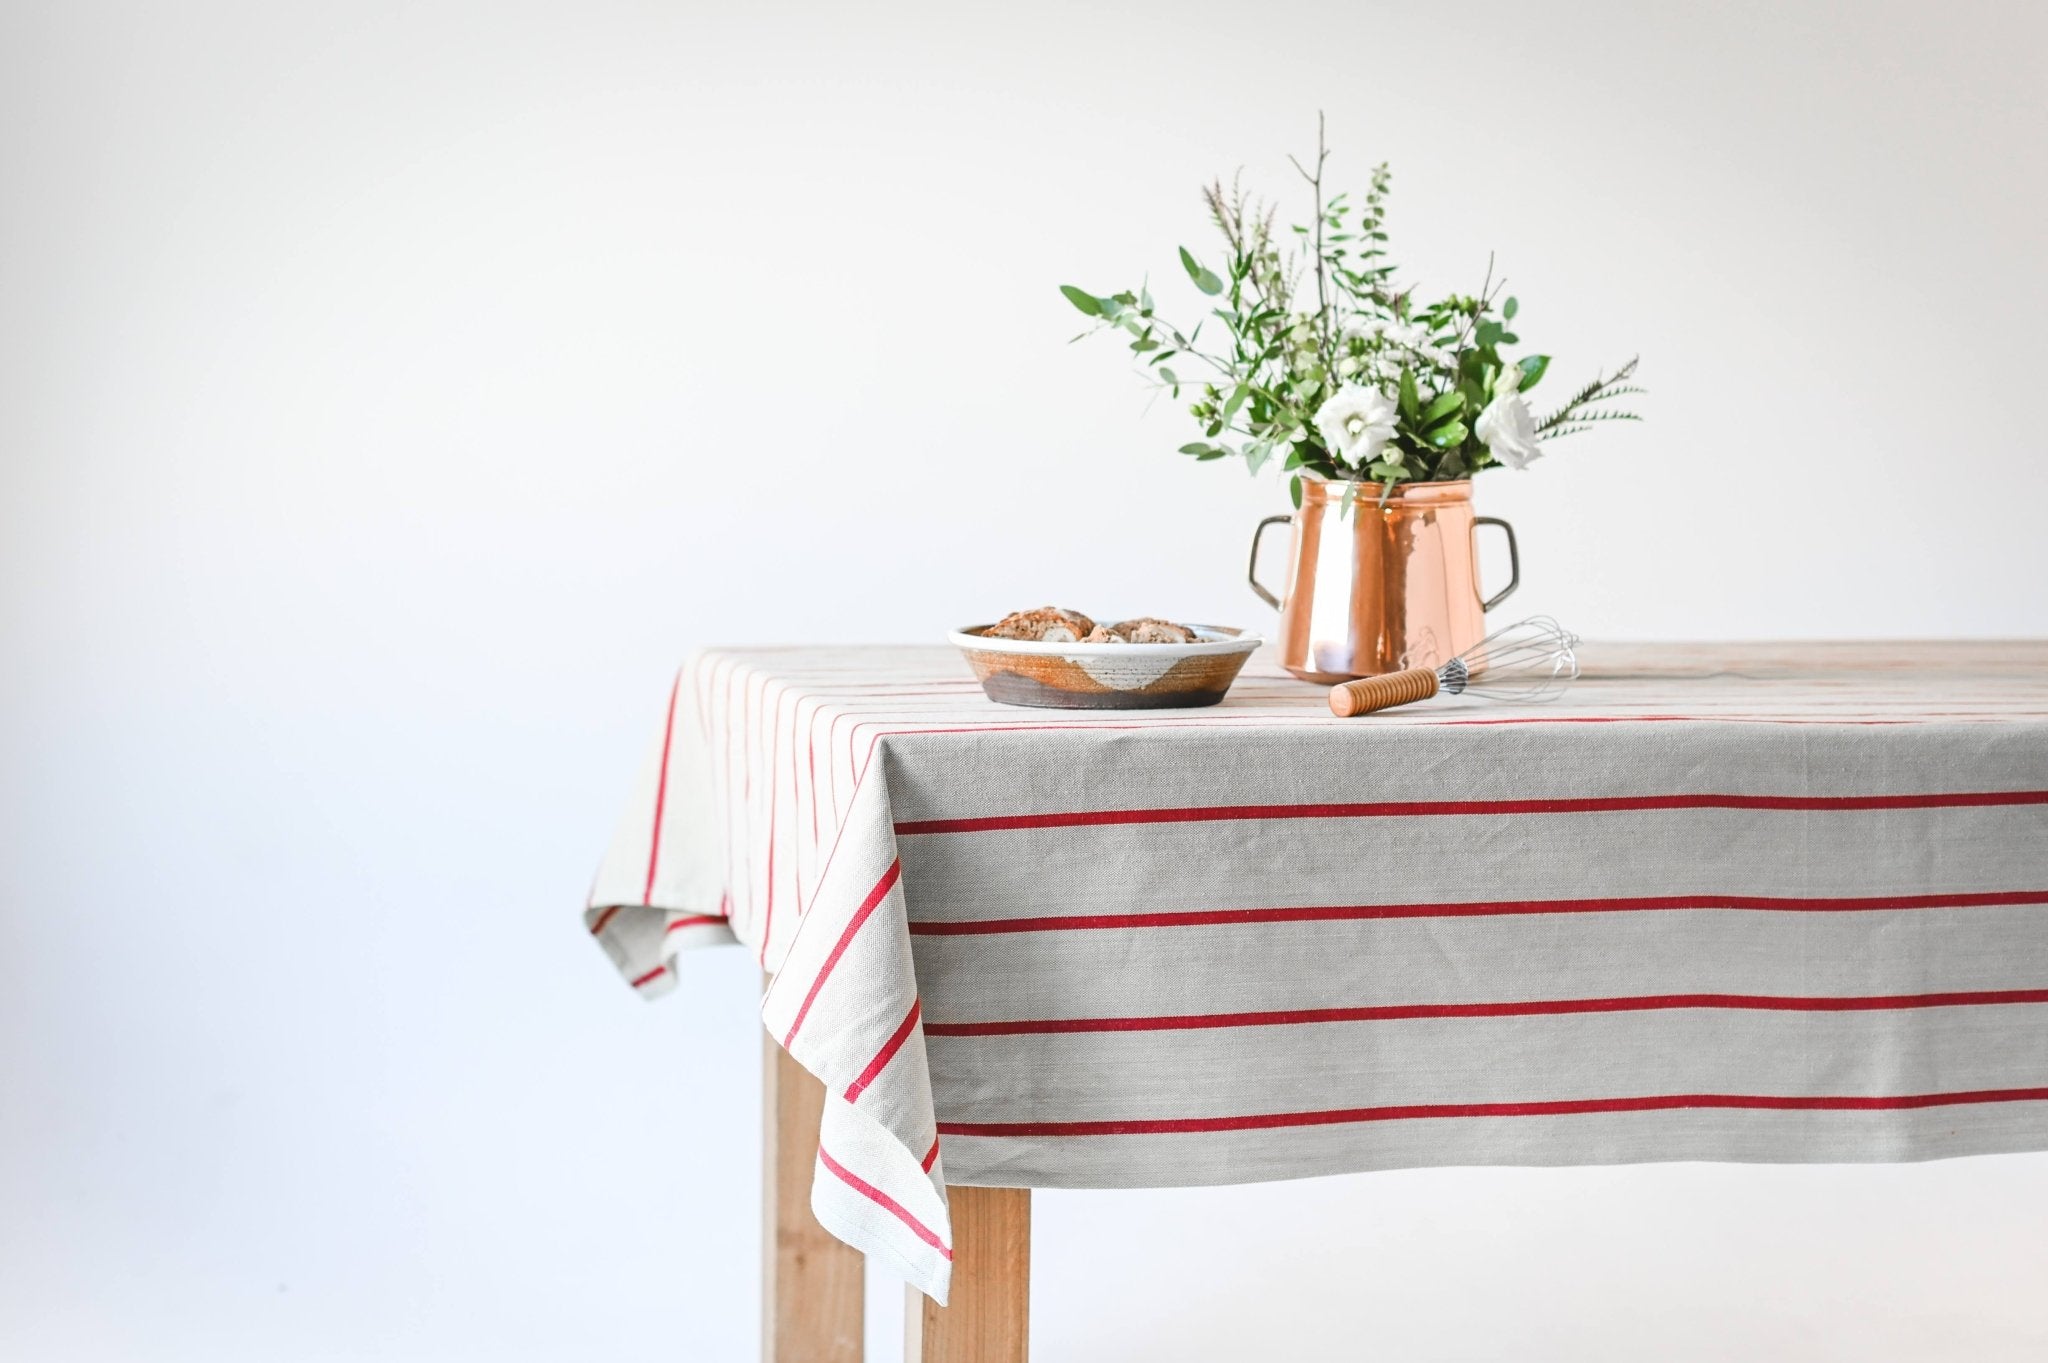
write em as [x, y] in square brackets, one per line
[1531, 660]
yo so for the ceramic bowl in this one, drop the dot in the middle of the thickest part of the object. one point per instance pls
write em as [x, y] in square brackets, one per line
[1108, 676]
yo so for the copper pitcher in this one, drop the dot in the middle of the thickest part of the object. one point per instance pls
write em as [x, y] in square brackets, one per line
[1383, 586]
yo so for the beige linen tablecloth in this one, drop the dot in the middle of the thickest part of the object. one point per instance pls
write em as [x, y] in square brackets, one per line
[1782, 903]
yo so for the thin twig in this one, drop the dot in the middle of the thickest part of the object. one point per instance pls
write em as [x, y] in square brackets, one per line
[1324, 344]
[1458, 346]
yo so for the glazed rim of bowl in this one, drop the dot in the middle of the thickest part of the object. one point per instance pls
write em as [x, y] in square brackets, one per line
[1209, 640]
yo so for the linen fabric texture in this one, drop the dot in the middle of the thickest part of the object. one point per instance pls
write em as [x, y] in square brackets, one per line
[1762, 904]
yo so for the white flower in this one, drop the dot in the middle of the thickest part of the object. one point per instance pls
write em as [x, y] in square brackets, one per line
[1505, 426]
[1407, 335]
[1356, 423]
[1413, 337]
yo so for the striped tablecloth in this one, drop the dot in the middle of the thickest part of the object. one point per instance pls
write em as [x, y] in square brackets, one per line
[1767, 902]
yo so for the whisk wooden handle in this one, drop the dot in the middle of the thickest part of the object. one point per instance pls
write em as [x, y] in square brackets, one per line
[1377, 693]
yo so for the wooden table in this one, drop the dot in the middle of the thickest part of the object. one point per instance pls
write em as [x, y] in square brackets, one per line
[812, 1286]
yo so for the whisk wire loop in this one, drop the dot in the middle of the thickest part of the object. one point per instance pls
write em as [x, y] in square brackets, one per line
[1531, 660]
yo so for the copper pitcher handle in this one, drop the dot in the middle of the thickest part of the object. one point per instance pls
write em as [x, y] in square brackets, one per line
[1252, 573]
[1514, 561]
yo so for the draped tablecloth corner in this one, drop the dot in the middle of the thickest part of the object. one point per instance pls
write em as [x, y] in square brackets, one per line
[1770, 903]
[693, 820]
[660, 888]
[865, 1040]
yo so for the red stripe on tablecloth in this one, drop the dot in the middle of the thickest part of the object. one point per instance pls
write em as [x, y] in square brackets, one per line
[756, 678]
[653, 974]
[1264, 716]
[884, 1201]
[751, 718]
[747, 733]
[831, 777]
[604, 918]
[811, 757]
[930, 1156]
[1399, 1012]
[838, 837]
[796, 798]
[1912, 717]
[1235, 720]
[1595, 804]
[1250, 718]
[832, 744]
[734, 808]
[668, 733]
[693, 920]
[1261, 1121]
[965, 689]
[887, 1053]
[1316, 913]
[774, 808]
[697, 668]
[860, 916]
[1639, 719]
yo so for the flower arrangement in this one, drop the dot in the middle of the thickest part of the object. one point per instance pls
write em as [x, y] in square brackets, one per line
[1331, 367]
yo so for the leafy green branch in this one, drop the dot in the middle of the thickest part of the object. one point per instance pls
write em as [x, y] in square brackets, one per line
[1368, 384]
[1585, 408]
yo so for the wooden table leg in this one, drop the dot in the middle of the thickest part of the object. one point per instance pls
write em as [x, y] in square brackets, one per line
[988, 1318]
[811, 1285]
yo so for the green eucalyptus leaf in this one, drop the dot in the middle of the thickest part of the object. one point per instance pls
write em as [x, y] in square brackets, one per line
[1294, 491]
[1449, 434]
[1205, 280]
[1197, 447]
[1508, 310]
[1533, 368]
[1082, 299]
[1446, 404]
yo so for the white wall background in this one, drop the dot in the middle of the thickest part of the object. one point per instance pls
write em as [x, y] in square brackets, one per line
[391, 393]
